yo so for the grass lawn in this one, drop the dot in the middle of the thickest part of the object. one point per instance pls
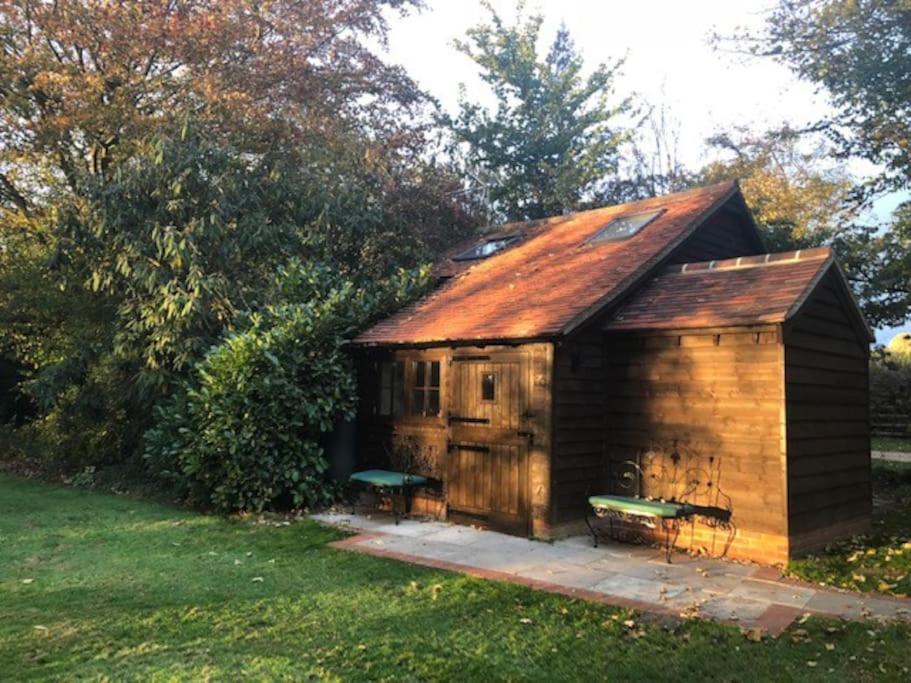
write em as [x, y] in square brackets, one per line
[881, 560]
[94, 586]
[885, 443]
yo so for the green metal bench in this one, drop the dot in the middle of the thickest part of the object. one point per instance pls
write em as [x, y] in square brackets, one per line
[384, 481]
[649, 513]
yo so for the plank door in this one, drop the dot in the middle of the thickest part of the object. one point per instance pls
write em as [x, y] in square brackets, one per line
[487, 467]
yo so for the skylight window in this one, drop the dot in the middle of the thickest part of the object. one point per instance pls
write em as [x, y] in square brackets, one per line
[487, 248]
[624, 227]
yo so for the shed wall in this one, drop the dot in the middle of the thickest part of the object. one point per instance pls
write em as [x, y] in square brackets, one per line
[724, 235]
[828, 422]
[702, 412]
[379, 437]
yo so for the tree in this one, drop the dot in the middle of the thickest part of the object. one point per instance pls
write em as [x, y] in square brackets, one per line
[859, 53]
[798, 198]
[552, 139]
[81, 79]
[650, 165]
[878, 261]
[159, 158]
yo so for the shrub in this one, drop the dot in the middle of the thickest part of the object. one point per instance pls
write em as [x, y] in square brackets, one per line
[244, 432]
[890, 390]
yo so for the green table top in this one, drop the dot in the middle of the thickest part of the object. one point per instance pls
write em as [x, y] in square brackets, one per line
[387, 478]
[639, 506]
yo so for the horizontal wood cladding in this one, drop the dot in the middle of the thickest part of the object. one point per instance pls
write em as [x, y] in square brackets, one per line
[723, 236]
[488, 449]
[827, 416]
[579, 404]
[713, 397]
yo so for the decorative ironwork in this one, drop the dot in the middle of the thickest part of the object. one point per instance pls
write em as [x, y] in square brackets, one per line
[678, 474]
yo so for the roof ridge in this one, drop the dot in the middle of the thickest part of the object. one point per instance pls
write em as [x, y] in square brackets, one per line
[493, 230]
[756, 261]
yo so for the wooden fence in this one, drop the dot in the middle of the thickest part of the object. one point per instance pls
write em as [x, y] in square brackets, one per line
[892, 425]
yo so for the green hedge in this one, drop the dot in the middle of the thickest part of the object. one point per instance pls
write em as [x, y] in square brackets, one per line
[244, 433]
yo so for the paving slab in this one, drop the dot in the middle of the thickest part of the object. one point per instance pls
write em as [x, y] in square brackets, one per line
[781, 594]
[640, 590]
[564, 574]
[456, 535]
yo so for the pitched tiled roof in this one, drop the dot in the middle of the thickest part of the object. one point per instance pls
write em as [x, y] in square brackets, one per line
[550, 280]
[753, 289]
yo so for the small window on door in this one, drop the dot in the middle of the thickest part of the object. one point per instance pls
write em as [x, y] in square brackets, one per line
[489, 387]
[425, 395]
[392, 388]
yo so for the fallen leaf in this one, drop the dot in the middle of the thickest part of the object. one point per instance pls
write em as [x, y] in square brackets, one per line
[753, 634]
[524, 620]
[830, 646]
[27, 581]
[39, 627]
[257, 579]
[811, 663]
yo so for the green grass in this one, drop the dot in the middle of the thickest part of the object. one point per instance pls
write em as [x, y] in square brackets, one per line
[885, 443]
[94, 586]
[881, 560]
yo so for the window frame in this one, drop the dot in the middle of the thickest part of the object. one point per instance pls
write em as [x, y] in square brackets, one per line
[423, 369]
[397, 380]
[469, 253]
[409, 358]
[494, 375]
[600, 237]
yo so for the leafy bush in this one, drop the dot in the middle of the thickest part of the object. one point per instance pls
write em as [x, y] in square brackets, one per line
[244, 432]
[890, 387]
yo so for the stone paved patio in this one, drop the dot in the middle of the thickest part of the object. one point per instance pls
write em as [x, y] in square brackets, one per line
[614, 573]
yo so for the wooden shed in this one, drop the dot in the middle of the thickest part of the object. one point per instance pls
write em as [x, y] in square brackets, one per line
[555, 353]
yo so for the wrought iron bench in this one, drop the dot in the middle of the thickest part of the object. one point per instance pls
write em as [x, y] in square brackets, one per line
[388, 481]
[649, 513]
[677, 479]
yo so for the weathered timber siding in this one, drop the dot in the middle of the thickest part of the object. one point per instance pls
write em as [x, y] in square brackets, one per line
[711, 401]
[579, 403]
[379, 436]
[828, 423]
[724, 235]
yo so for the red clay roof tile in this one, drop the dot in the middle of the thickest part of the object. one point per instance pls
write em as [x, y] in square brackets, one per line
[741, 291]
[550, 280]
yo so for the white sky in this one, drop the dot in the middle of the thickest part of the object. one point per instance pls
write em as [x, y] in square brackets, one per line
[668, 61]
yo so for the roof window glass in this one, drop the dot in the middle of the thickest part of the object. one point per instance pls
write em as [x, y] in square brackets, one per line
[624, 227]
[488, 247]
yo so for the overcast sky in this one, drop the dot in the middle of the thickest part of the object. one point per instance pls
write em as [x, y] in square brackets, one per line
[668, 61]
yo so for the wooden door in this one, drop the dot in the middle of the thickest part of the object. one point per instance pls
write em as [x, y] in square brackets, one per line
[487, 469]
